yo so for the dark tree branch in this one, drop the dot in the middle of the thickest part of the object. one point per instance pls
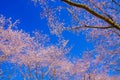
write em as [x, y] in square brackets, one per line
[98, 27]
[109, 21]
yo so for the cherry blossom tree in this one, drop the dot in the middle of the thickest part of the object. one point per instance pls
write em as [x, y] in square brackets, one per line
[30, 54]
[98, 20]
[12, 42]
[34, 59]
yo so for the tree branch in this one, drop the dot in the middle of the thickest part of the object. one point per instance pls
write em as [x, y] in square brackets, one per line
[98, 27]
[109, 21]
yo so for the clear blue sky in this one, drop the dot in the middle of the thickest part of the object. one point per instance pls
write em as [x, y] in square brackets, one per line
[26, 12]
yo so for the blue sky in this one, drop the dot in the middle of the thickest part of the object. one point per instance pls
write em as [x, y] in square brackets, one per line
[26, 12]
[29, 16]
